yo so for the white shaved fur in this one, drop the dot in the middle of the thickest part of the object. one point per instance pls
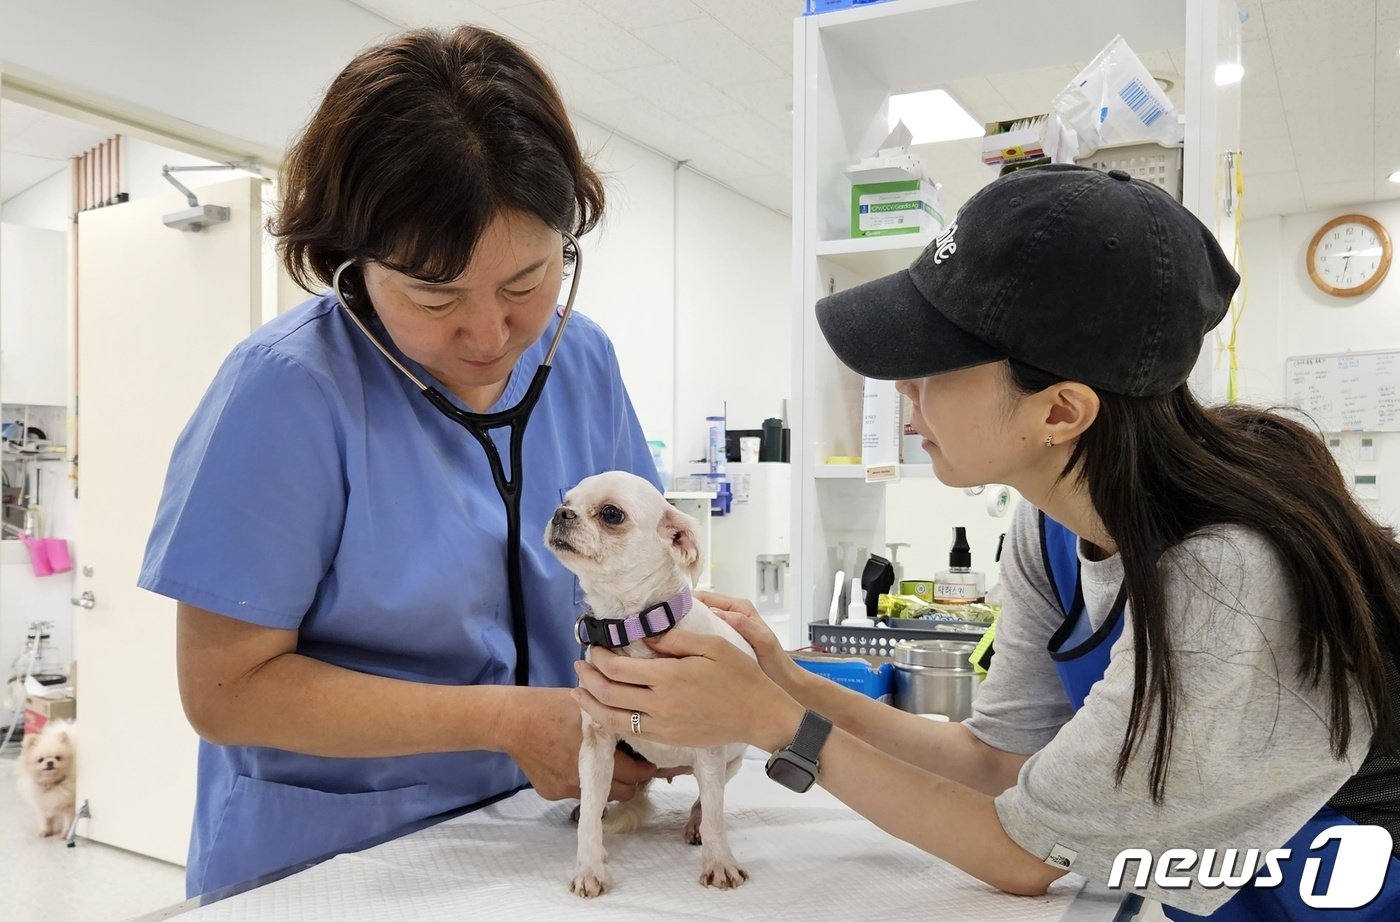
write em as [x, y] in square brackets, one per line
[623, 568]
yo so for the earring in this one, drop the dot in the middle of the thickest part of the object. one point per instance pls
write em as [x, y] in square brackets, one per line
[1049, 442]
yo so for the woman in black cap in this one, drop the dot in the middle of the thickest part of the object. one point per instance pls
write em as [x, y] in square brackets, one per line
[1197, 647]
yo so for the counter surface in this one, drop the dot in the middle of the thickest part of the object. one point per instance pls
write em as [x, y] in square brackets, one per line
[808, 857]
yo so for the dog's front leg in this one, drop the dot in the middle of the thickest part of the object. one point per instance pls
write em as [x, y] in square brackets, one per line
[595, 765]
[718, 868]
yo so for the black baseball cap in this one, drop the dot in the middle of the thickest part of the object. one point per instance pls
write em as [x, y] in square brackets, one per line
[1098, 277]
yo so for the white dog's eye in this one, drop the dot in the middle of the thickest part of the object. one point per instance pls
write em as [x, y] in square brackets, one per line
[611, 514]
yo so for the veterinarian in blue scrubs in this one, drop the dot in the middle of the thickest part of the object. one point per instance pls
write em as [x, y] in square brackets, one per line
[1198, 640]
[337, 545]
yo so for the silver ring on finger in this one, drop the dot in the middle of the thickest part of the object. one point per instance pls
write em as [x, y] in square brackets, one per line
[636, 723]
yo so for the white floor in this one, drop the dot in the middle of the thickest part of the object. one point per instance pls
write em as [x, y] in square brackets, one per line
[44, 881]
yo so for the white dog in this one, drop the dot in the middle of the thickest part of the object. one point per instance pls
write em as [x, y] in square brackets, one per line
[633, 551]
[48, 764]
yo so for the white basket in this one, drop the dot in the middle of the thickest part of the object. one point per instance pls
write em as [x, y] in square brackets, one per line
[1149, 162]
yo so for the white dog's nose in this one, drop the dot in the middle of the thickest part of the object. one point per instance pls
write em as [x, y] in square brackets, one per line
[564, 515]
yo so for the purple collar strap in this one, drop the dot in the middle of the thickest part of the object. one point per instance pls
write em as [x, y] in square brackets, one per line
[650, 622]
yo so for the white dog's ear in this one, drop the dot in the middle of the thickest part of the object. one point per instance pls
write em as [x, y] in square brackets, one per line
[29, 742]
[678, 530]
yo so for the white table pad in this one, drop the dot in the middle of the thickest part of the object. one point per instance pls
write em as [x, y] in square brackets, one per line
[809, 857]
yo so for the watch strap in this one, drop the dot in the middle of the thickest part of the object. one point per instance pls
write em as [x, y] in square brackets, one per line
[811, 736]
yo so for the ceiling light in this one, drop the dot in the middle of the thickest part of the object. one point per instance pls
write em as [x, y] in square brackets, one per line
[933, 115]
[1228, 73]
[1395, 177]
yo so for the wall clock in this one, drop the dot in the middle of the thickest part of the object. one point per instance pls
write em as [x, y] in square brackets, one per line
[1349, 255]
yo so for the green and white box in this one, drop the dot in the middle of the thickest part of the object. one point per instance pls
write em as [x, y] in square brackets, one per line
[903, 207]
[890, 195]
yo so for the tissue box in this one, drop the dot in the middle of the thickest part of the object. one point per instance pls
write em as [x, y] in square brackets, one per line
[874, 680]
[39, 711]
[1036, 136]
[891, 195]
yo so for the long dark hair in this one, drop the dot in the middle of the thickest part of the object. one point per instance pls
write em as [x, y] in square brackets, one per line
[417, 146]
[1160, 468]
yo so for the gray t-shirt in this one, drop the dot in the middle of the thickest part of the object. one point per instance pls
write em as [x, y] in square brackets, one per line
[1251, 759]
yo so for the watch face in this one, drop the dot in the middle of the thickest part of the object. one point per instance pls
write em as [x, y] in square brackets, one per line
[789, 775]
[1348, 256]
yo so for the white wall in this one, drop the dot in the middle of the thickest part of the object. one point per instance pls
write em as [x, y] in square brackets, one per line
[46, 204]
[734, 317]
[629, 266]
[1286, 315]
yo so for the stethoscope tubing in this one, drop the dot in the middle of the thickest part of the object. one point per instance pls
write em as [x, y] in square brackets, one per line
[479, 425]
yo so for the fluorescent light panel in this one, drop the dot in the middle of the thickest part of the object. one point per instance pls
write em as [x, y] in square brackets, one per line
[933, 115]
[1395, 177]
[1228, 73]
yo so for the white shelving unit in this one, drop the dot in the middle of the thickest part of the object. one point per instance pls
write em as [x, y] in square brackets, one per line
[847, 65]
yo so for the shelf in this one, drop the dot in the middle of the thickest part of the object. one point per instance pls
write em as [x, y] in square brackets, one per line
[857, 472]
[906, 45]
[872, 257]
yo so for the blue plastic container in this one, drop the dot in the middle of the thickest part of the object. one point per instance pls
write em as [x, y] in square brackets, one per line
[871, 680]
[815, 7]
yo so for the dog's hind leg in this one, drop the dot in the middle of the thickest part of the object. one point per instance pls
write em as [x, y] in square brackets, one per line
[595, 764]
[718, 868]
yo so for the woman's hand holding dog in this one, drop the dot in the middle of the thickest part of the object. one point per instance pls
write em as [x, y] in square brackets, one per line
[543, 737]
[744, 618]
[702, 691]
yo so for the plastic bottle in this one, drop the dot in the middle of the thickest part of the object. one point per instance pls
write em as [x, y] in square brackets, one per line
[716, 450]
[855, 609]
[959, 583]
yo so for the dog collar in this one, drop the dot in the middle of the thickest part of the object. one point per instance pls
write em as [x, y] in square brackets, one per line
[649, 622]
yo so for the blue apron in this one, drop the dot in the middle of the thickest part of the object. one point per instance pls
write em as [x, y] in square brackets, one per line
[1081, 656]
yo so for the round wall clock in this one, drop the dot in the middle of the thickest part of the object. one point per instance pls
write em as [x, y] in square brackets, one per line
[1349, 255]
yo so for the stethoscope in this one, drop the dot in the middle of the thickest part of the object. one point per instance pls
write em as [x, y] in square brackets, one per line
[480, 425]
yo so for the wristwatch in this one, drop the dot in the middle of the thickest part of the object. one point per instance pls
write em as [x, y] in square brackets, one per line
[795, 765]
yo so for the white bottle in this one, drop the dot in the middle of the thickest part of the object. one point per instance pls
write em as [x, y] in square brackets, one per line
[855, 609]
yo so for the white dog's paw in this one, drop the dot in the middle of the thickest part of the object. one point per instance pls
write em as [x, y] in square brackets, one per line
[590, 881]
[725, 876]
[691, 834]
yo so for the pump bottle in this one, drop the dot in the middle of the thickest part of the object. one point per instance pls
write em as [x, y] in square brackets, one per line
[959, 584]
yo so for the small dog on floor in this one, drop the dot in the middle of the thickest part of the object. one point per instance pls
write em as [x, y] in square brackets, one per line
[48, 764]
[636, 558]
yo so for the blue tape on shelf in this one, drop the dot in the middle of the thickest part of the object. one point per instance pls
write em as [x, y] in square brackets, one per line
[815, 7]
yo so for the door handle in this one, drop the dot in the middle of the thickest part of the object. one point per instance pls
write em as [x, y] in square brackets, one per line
[86, 600]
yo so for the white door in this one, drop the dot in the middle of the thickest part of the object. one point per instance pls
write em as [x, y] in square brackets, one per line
[158, 309]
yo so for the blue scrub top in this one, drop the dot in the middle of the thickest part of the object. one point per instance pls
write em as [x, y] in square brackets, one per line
[315, 489]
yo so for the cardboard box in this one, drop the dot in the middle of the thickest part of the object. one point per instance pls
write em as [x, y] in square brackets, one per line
[891, 192]
[905, 206]
[1024, 139]
[39, 711]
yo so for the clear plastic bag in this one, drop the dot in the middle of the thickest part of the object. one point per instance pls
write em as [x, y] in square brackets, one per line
[1115, 100]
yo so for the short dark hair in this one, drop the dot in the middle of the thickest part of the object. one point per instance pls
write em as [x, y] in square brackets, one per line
[419, 143]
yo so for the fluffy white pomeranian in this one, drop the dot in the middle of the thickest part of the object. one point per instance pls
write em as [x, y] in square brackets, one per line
[48, 773]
